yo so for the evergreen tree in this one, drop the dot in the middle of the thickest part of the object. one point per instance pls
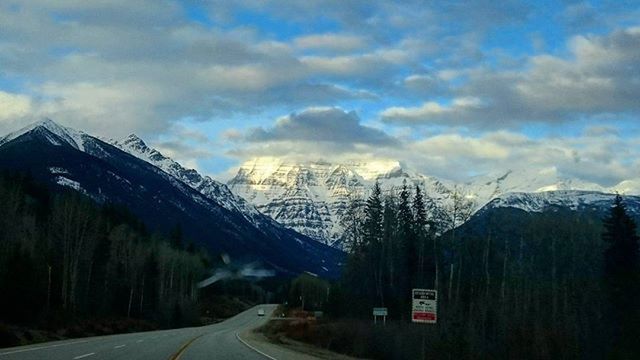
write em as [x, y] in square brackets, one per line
[351, 222]
[421, 236]
[408, 261]
[622, 280]
[372, 244]
[405, 216]
[419, 211]
[373, 218]
[389, 246]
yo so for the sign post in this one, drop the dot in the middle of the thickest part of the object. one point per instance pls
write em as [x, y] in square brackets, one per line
[424, 306]
[381, 311]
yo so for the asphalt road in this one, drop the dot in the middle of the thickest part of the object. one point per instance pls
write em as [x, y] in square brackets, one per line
[218, 341]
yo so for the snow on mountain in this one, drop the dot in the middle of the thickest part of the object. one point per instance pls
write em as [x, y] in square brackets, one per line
[487, 187]
[311, 197]
[68, 136]
[627, 187]
[575, 200]
[212, 189]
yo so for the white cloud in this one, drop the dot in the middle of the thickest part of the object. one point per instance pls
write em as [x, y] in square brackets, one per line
[115, 67]
[331, 41]
[14, 106]
[433, 111]
[600, 76]
[130, 70]
[590, 158]
[598, 155]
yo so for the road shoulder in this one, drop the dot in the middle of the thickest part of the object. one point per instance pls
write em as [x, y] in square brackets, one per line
[288, 349]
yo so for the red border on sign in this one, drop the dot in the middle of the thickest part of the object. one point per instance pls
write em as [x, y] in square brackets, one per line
[424, 316]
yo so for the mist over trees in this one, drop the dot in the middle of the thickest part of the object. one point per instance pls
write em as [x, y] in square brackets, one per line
[511, 284]
[64, 258]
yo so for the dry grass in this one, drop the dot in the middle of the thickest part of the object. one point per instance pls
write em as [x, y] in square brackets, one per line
[363, 339]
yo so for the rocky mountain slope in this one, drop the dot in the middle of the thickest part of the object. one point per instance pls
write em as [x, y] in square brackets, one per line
[162, 195]
[312, 197]
[207, 186]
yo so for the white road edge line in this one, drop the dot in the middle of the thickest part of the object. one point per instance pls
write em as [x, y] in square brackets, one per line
[83, 356]
[42, 347]
[253, 348]
[119, 346]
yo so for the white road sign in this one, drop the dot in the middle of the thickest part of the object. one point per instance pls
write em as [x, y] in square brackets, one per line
[425, 306]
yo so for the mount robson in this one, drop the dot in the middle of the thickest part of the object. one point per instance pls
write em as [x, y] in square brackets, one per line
[163, 195]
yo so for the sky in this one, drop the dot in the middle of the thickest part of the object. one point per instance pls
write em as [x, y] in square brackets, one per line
[449, 89]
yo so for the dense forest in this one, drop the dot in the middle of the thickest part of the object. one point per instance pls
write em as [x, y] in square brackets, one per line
[511, 284]
[64, 258]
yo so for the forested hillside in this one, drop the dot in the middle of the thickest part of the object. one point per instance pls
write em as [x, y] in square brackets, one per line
[63, 258]
[511, 284]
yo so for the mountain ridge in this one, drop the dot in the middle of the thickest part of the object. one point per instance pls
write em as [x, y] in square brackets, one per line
[311, 196]
[108, 174]
[211, 188]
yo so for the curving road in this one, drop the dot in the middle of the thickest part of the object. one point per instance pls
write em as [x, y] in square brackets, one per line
[218, 341]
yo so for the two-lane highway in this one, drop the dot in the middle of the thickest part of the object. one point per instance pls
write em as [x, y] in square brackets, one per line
[218, 341]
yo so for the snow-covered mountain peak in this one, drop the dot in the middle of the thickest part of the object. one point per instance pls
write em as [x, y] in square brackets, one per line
[256, 170]
[137, 147]
[134, 140]
[311, 196]
[372, 170]
[266, 169]
[67, 135]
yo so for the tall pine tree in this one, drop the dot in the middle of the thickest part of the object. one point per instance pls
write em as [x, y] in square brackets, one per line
[622, 281]
[372, 246]
[421, 235]
[390, 248]
[408, 261]
[373, 218]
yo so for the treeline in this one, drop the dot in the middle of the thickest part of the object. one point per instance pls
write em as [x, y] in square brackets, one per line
[63, 258]
[511, 284]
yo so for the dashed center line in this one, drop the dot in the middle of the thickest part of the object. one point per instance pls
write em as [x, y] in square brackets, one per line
[119, 346]
[139, 341]
[83, 356]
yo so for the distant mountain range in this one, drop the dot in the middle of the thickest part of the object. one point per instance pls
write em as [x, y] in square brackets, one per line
[575, 200]
[272, 210]
[310, 197]
[163, 194]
